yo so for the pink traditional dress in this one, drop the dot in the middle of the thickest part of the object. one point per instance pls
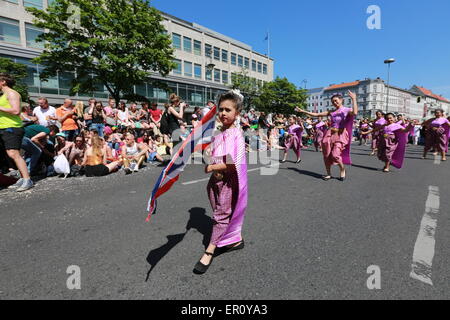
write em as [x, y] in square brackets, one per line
[438, 137]
[392, 144]
[376, 135]
[363, 129]
[321, 128]
[294, 139]
[228, 196]
[337, 140]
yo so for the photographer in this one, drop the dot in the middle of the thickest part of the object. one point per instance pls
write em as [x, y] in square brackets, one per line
[173, 116]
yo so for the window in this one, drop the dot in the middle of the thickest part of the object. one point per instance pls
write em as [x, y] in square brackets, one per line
[176, 41]
[253, 65]
[216, 53]
[265, 68]
[247, 63]
[259, 67]
[197, 48]
[240, 61]
[187, 44]
[9, 31]
[198, 71]
[208, 50]
[224, 56]
[233, 59]
[34, 4]
[32, 33]
[216, 75]
[225, 77]
[208, 74]
[177, 69]
[188, 69]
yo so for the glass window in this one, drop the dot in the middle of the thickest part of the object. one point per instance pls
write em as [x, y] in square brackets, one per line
[34, 3]
[9, 31]
[176, 41]
[65, 82]
[233, 59]
[253, 65]
[240, 61]
[216, 53]
[188, 69]
[187, 44]
[225, 77]
[32, 33]
[259, 67]
[216, 75]
[198, 71]
[224, 56]
[247, 63]
[177, 69]
[197, 47]
[265, 68]
[208, 50]
[208, 74]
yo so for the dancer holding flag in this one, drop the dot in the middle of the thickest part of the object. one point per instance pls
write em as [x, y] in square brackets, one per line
[227, 187]
[337, 140]
[437, 134]
[391, 142]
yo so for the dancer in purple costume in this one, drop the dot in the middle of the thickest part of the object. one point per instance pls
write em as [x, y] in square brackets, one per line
[437, 134]
[294, 139]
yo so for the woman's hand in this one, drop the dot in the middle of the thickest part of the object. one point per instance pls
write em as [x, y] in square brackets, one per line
[208, 168]
[352, 95]
[297, 109]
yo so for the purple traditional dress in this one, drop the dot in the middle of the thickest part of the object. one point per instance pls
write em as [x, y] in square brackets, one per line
[228, 196]
[438, 137]
[337, 140]
[321, 128]
[294, 139]
[363, 129]
[392, 144]
[376, 135]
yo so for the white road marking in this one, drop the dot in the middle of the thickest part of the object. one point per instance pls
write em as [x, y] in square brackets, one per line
[425, 244]
[206, 179]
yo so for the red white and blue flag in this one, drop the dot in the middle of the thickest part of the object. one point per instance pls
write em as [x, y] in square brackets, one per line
[198, 140]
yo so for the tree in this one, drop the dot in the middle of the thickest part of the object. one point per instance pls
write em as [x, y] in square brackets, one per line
[280, 96]
[19, 72]
[117, 44]
[248, 87]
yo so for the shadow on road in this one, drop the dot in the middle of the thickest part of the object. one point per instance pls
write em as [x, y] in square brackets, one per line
[365, 167]
[198, 220]
[304, 172]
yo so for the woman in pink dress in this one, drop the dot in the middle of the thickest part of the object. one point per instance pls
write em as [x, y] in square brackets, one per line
[293, 139]
[364, 129]
[379, 122]
[391, 142]
[227, 188]
[320, 128]
[337, 140]
[437, 134]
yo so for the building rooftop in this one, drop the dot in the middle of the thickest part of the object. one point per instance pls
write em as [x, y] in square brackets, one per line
[430, 93]
[342, 85]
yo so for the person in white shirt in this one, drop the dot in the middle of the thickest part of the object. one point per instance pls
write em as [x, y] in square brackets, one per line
[46, 114]
[208, 107]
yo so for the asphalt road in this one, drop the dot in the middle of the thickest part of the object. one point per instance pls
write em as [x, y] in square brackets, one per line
[305, 238]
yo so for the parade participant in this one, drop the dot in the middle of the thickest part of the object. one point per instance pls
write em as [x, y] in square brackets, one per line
[320, 128]
[227, 188]
[11, 131]
[293, 139]
[437, 134]
[379, 122]
[337, 140]
[392, 140]
[364, 129]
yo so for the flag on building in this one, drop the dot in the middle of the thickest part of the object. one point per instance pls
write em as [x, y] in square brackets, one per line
[198, 140]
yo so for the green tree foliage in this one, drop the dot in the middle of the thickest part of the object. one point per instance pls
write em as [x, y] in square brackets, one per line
[280, 96]
[117, 44]
[19, 73]
[248, 87]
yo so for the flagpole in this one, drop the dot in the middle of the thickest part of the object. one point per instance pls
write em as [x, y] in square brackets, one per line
[268, 44]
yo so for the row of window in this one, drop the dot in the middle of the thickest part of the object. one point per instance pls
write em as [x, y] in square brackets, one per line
[39, 4]
[195, 46]
[10, 33]
[189, 69]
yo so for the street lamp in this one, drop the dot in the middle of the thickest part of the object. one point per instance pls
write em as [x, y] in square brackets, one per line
[210, 67]
[388, 62]
[305, 82]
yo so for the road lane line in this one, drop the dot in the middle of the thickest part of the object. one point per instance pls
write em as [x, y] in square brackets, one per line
[437, 159]
[425, 244]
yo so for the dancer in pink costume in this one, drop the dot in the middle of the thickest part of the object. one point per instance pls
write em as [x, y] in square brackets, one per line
[437, 134]
[320, 128]
[294, 139]
[227, 187]
[379, 122]
[337, 140]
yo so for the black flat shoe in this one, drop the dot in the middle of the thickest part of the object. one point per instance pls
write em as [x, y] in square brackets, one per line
[342, 179]
[240, 246]
[200, 268]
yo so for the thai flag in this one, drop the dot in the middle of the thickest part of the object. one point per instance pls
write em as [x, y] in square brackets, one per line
[199, 139]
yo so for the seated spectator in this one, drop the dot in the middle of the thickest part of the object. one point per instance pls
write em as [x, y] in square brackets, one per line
[194, 120]
[62, 145]
[152, 153]
[98, 119]
[46, 114]
[94, 162]
[67, 117]
[76, 155]
[133, 154]
[27, 115]
[88, 113]
[163, 147]
[79, 112]
[122, 116]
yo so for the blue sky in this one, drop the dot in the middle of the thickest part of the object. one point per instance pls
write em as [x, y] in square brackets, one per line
[327, 41]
